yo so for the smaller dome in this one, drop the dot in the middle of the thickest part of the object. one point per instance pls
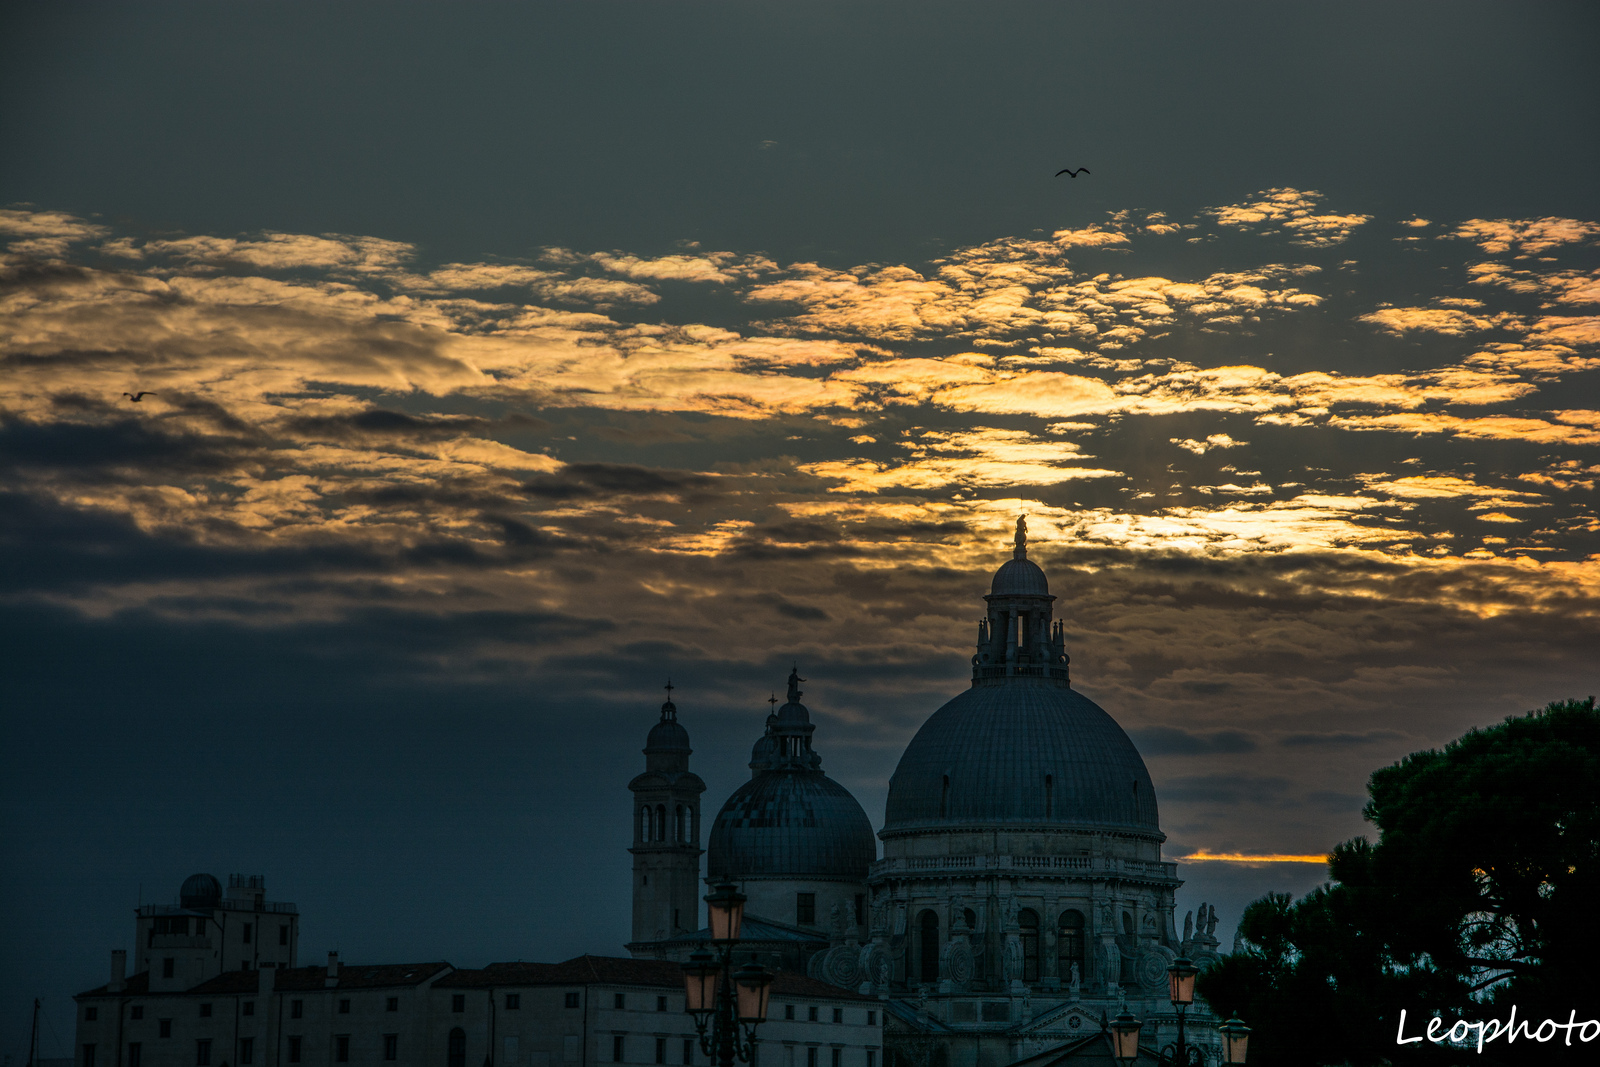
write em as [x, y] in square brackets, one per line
[793, 714]
[763, 753]
[200, 891]
[1019, 577]
[668, 737]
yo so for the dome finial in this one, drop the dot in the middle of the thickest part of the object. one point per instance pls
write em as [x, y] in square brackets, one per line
[1021, 551]
[794, 685]
[669, 710]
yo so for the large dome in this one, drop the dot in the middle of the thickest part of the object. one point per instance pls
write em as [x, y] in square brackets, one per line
[1019, 577]
[1024, 753]
[794, 824]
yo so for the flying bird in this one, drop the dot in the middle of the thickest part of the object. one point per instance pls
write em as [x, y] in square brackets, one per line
[136, 397]
[1069, 172]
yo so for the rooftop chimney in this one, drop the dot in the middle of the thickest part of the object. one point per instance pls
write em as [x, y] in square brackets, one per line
[333, 970]
[119, 971]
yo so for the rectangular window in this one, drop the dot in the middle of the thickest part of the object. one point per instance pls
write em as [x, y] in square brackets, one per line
[135, 1054]
[283, 935]
[838, 1015]
[871, 1058]
[837, 1054]
[166, 967]
[244, 965]
[861, 909]
[788, 1011]
[872, 1018]
[91, 1014]
[136, 1012]
[341, 1048]
[202, 1052]
[205, 1011]
[805, 909]
[458, 1002]
[661, 1050]
[391, 1046]
[620, 1001]
[392, 1004]
[88, 1056]
[572, 1000]
[811, 1056]
[688, 1052]
[661, 1004]
[513, 1001]
[811, 1013]
[248, 1007]
[297, 1008]
[247, 1050]
[616, 1049]
[164, 1028]
[344, 1005]
[294, 1050]
[246, 928]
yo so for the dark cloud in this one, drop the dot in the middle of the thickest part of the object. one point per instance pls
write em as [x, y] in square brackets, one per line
[1170, 740]
[1227, 789]
[1339, 739]
[579, 481]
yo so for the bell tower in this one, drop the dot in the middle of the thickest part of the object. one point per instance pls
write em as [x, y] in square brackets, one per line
[666, 835]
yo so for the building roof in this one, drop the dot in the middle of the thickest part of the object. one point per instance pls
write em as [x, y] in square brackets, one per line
[292, 979]
[791, 823]
[617, 970]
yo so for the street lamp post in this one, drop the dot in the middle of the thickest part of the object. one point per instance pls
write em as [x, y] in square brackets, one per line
[1180, 990]
[727, 1005]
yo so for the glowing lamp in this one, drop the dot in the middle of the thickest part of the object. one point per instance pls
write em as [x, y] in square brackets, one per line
[700, 976]
[753, 983]
[1180, 981]
[1125, 1037]
[1235, 1037]
[725, 906]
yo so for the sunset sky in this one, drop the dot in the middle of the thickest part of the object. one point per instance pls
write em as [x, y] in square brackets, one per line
[508, 359]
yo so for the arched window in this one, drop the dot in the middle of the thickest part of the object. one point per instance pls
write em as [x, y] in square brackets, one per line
[647, 824]
[928, 946]
[971, 917]
[944, 798]
[1028, 921]
[1069, 945]
[458, 1048]
[679, 833]
[661, 822]
[1127, 923]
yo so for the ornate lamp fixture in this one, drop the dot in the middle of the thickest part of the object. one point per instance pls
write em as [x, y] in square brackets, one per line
[727, 1005]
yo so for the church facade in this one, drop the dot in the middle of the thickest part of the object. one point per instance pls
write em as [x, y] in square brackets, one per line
[1021, 898]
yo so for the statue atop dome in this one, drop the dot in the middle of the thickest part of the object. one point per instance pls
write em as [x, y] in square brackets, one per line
[1021, 540]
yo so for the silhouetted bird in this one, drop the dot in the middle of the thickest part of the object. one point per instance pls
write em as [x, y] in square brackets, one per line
[1069, 172]
[136, 397]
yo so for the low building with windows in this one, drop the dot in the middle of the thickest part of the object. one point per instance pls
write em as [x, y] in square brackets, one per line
[584, 1012]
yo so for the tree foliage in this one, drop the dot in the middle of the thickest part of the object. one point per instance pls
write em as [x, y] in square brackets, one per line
[1481, 892]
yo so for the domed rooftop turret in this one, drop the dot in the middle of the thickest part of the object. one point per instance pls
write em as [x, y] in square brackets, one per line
[790, 820]
[201, 892]
[666, 746]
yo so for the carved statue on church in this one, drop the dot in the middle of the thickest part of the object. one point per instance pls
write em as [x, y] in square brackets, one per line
[1013, 959]
[1211, 924]
[1188, 927]
[1073, 986]
[1021, 540]
[837, 919]
[1009, 910]
[794, 686]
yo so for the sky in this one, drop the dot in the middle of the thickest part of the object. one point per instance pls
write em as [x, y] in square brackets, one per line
[506, 360]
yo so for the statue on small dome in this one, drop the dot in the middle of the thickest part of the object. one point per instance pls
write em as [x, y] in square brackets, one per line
[1021, 551]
